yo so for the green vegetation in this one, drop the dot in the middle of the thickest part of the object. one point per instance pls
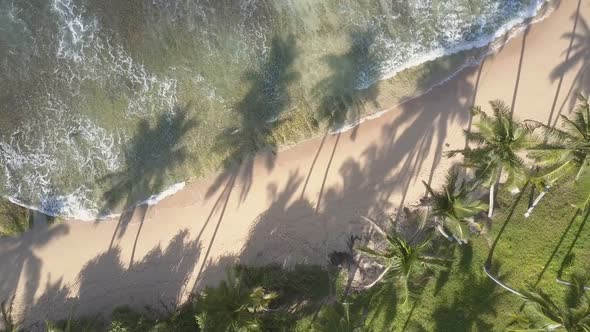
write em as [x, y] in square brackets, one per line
[575, 316]
[566, 151]
[233, 306]
[451, 207]
[406, 264]
[498, 141]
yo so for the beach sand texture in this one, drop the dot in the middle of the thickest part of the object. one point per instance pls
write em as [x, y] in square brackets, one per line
[302, 206]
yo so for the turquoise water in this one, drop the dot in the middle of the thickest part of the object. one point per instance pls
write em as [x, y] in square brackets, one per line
[106, 102]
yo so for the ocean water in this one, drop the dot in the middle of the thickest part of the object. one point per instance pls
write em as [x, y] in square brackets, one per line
[106, 103]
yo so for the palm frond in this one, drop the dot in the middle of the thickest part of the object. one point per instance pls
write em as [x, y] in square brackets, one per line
[572, 126]
[582, 184]
[560, 172]
[550, 315]
[550, 134]
[373, 253]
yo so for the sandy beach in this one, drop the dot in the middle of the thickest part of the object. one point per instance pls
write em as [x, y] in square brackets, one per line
[303, 205]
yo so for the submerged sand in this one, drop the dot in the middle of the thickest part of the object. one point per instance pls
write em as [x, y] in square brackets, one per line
[301, 206]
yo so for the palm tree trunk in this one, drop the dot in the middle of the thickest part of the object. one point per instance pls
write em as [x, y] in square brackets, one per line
[443, 233]
[379, 277]
[537, 200]
[491, 210]
[379, 229]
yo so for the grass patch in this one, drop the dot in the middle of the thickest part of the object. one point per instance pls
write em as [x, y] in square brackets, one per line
[530, 251]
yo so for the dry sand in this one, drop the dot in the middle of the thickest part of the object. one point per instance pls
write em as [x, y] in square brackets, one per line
[302, 208]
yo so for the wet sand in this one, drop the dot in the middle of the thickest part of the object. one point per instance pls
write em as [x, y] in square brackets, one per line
[303, 205]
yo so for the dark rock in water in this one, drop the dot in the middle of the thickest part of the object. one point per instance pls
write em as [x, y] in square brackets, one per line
[14, 219]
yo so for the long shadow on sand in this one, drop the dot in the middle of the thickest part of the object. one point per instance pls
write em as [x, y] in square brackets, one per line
[152, 155]
[158, 280]
[20, 266]
[259, 113]
[576, 59]
[343, 96]
[376, 182]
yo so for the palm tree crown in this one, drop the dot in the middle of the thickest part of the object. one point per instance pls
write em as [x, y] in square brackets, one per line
[232, 307]
[338, 318]
[404, 262]
[566, 151]
[574, 317]
[497, 141]
[451, 205]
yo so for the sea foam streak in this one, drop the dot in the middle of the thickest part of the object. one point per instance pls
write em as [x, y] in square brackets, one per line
[455, 44]
[509, 30]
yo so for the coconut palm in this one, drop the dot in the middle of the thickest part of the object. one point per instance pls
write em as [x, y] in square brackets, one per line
[498, 140]
[451, 207]
[338, 318]
[550, 316]
[404, 262]
[8, 321]
[233, 307]
[566, 151]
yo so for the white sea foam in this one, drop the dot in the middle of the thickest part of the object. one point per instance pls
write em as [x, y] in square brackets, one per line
[452, 36]
[509, 31]
[89, 57]
[57, 150]
[155, 199]
[71, 205]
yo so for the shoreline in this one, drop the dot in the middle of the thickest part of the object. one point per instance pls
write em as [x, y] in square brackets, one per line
[297, 210]
[537, 12]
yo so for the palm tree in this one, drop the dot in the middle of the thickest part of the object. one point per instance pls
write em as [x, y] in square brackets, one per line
[404, 262]
[550, 316]
[498, 140]
[566, 151]
[451, 207]
[338, 318]
[232, 307]
[10, 324]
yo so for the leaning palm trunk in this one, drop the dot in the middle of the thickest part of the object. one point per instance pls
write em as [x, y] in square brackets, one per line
[491, 210]
[440, 229]
[379, 278]
[537, 200]
[494, 184]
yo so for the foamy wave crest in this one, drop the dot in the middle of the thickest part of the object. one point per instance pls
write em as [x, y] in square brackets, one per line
[454, 34]
[91, 57]
[52, 162]
[509, 30]
[155, 199]
[75, 205]
[76, 34]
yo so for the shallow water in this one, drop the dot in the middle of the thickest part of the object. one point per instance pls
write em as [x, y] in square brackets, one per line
[106, 102]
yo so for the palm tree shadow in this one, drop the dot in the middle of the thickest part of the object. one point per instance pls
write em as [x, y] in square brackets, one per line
[160, 279]
[259, 113]
[345, 92]
[471, 303]
[153, 154]
[576, 56]
[19, 262]
[366, 186]
[569, 256]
